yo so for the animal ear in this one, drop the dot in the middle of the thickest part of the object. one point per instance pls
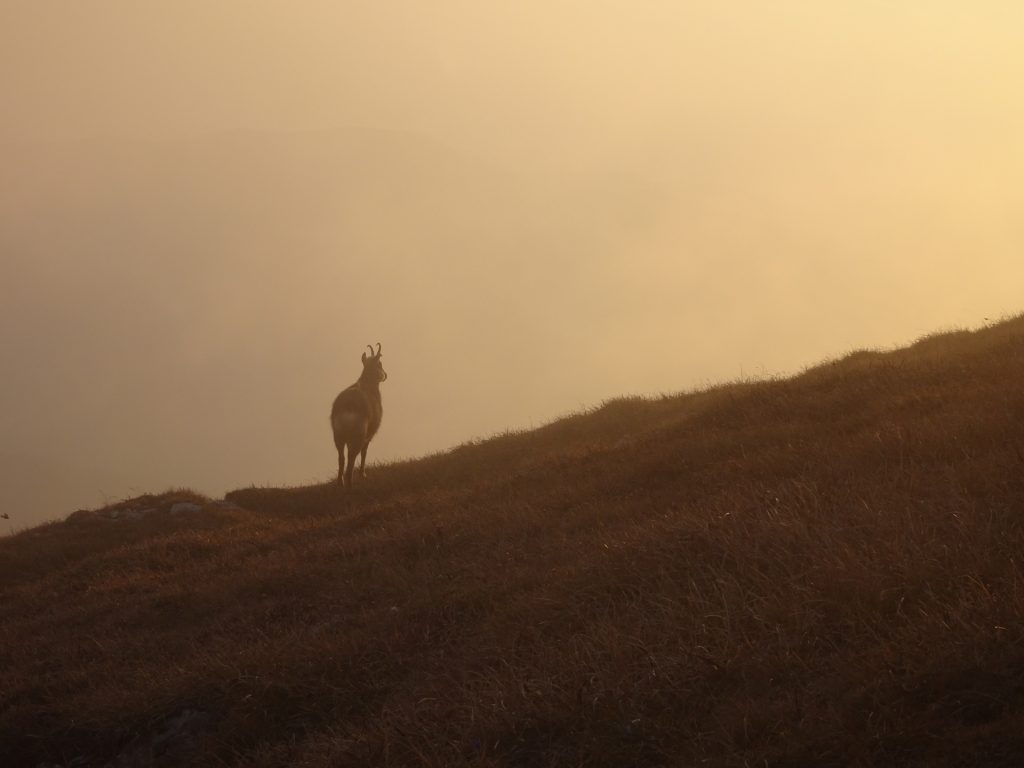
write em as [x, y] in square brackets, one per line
[364, 357]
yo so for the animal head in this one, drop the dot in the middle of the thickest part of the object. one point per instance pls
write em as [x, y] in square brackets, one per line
[372, 367]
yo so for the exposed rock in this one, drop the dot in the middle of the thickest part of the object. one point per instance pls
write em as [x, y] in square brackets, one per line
[173, 742]
[142, 507]
[184, 506]
[128, 513]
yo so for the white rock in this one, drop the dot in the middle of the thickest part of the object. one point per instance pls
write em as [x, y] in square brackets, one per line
[184, 506]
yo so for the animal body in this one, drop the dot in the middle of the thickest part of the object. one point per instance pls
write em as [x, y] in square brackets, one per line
[356, 417]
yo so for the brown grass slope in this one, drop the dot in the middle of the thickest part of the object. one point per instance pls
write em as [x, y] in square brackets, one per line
[824, 570]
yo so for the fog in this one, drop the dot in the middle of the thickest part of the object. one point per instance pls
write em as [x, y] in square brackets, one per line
[208, 210]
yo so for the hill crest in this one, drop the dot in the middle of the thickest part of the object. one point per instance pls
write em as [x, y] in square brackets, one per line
[815, 570]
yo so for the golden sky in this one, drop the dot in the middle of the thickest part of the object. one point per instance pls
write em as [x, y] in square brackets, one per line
[208, 209]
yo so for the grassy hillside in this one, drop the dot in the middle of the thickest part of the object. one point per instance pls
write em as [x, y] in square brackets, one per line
[824, 570]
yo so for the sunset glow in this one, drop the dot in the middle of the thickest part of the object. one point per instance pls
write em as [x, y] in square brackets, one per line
[207, 212]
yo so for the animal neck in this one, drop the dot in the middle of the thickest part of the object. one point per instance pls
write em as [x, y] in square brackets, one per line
[369, 383]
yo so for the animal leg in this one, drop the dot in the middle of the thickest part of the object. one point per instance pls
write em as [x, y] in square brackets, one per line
[341, 466]
[362, 460]
[350, 465]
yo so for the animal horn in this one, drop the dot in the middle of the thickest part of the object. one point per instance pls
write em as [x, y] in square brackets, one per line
[370, 347]
[378, 349]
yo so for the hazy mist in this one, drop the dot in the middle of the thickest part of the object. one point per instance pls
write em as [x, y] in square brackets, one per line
[207, 210]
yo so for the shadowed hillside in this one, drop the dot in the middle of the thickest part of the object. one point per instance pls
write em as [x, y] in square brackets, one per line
[823, 570]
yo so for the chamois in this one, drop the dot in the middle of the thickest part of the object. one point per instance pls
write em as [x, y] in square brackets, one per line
[356, 415]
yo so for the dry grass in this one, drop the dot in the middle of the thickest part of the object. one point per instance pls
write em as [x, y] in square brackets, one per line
[818, 571]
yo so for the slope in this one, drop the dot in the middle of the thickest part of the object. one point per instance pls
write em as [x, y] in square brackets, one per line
[822, 570]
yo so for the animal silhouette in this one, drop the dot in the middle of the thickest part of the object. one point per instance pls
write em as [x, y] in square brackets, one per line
[356, 416]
